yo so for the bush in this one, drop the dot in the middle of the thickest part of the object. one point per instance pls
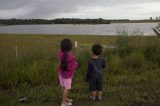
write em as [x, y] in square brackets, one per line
[135, 60]
[152, 53]
[123, 39]
[114, 64]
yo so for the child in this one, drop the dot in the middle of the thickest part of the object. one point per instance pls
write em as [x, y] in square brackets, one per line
[94, 74]
[66, 68]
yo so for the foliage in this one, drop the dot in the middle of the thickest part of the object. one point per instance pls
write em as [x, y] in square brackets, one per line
[55, 21]
[123, 39]
[81, 21]
[24, 21]
[128, 80]
[135, 60]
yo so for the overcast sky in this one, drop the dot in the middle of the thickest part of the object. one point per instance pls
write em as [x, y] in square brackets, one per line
[107, 9]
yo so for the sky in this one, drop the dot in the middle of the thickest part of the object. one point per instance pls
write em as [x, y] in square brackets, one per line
[106, 9]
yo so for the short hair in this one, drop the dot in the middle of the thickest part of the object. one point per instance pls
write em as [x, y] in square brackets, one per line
[97, 49]
[66, 45]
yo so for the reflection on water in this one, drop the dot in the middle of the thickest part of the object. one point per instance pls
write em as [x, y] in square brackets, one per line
[100, 29]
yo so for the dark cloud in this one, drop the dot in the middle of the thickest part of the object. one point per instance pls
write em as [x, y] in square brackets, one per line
[76, 8]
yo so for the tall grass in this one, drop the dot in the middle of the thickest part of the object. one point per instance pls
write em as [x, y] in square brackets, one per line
[131, 78]
[135, 60]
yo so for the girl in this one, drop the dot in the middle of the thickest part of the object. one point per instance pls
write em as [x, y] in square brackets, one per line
[66, 68]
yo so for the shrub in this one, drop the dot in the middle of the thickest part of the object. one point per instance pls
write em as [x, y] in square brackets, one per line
[152, 53]
[135, 60]
[114, 64]
[123, 39]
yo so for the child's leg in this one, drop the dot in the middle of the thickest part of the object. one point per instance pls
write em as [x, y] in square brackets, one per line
[67, 86]
[99, 94]
[93, 94]
[65, 94]
[99, 87]
[70, 100]
[67, 97]
[64, 100]
[92, 88]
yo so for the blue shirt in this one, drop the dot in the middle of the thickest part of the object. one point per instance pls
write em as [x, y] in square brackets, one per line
[95, 68]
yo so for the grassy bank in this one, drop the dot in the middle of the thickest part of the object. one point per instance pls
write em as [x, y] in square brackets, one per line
[131, 78]
[2, 25]
[137, 21]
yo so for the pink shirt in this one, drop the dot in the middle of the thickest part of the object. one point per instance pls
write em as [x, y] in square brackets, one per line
[71, 65]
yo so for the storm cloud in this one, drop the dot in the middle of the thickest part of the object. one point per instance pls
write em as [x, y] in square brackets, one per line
[107, 9]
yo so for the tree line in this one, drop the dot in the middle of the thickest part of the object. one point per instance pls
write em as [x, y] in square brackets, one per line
[69, 21]
[54, 21]
[81, 21]
[24, 21]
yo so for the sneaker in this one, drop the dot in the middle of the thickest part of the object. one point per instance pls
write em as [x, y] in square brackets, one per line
[69, 100]
[99, 98]
[92, 98]
[66, 104]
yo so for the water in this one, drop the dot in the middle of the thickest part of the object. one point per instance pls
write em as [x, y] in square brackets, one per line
[100, 29]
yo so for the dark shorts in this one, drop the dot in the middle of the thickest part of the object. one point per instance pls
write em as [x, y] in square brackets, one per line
[95, 84]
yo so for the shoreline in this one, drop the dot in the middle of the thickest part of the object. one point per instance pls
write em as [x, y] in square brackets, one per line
[114, 22]
[71, 35]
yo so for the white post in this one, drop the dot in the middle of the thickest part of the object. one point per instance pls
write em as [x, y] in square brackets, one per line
[76, 44]
[16, 48]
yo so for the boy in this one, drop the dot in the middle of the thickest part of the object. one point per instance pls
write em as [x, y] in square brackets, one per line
[94, 73]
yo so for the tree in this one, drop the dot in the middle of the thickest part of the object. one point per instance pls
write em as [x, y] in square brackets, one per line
[150, 18]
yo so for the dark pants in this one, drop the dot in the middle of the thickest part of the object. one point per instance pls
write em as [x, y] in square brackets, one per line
[95, 84]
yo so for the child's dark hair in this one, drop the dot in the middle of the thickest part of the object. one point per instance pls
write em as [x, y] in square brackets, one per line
[97, 49]
[66, 45]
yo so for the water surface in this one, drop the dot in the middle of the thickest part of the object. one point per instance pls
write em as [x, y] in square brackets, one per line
[98, 29]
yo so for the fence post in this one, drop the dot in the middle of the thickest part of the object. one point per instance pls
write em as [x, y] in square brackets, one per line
[16, 48]
[76, 44]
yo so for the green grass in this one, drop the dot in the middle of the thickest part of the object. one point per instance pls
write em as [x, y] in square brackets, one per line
[131, 78]
[2, 25]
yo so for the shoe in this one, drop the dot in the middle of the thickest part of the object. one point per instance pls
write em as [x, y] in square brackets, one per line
[99, 98]
[66, 104]
[69, 100]
[92, 98]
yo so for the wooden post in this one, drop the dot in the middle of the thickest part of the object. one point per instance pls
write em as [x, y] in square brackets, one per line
[16, 48]
[76, 44]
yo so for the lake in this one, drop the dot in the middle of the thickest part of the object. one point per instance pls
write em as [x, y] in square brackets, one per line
[97, 29]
